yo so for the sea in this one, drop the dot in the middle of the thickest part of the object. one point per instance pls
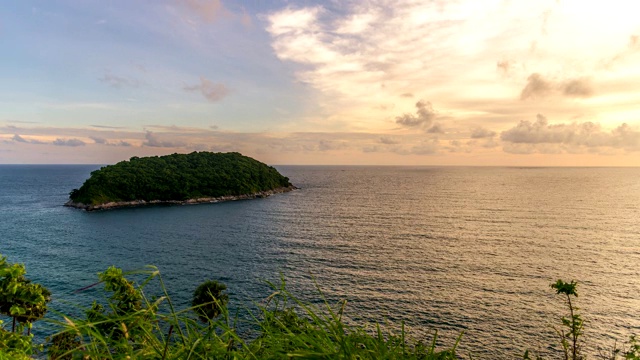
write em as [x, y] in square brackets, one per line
[457, 250]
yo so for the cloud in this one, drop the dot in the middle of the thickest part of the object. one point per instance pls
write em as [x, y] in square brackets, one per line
[384, 107]
[456, 146]
[174, 128]
[572, 135]
[107, 127]
[527, 149]
[480, 133]
[211, 91]
[633, 46]
[98, 140]
[388, 140]
[18, 138]
[293, 21]
[505, 66]
[68, 142]
[436, 129]
[327, 145]
[577, 88]
[23, 122]
[541, 132]
[119, 143]
[118, 81]
[424, 117]
[356, 56]
[152, 140]
[373, 149]
[103, 141]
[428, 147]
[538, 87]
[384, 49]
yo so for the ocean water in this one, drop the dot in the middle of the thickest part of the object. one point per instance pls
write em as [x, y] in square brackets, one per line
[448, 249]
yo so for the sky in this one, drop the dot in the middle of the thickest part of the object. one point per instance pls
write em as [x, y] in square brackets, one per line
[370, 82]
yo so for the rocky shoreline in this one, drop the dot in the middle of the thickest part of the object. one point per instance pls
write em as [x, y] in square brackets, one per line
[204, 200]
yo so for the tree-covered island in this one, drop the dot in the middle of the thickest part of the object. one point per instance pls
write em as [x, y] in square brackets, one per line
[198, 177]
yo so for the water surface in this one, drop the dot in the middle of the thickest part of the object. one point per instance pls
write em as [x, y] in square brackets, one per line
[453, 249]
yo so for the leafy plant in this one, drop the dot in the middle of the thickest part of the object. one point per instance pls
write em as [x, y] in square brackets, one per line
[15, 346]
[209, 300]
[573, 325]
[20, 299]
[129, 325]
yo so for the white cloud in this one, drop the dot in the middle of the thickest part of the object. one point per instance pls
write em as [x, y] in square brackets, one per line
[293, 21]
[358, 23]
[359, 56]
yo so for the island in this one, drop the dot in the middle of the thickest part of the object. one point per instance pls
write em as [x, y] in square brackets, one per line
[198, 177]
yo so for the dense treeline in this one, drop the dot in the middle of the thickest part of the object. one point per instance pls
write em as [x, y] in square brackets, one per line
[178, 177]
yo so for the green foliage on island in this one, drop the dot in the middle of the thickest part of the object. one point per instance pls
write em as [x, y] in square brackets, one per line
[178, 177]
[127, 324]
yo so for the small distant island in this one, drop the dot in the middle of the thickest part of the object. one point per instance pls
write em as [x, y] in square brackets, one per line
[198, 177]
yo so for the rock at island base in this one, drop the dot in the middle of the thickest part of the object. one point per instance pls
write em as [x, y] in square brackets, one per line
[204, 200]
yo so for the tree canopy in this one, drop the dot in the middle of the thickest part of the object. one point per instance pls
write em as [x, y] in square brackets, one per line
[178, 177]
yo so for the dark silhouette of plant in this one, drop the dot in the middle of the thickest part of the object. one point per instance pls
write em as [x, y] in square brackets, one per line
[574, 324]
[209, 300]
[63, 345]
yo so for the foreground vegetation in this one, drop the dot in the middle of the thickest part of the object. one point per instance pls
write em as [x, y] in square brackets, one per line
[178, 177]
[130, 325]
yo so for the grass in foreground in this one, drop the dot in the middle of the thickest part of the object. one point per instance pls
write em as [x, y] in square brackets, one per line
[130, 325]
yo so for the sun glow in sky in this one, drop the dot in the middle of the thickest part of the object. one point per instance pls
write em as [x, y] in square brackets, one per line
[490, 82]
